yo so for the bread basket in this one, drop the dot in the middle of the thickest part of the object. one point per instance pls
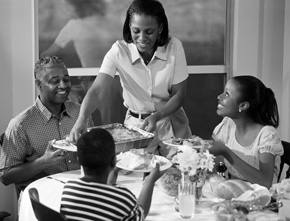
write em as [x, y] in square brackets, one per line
[141, 138]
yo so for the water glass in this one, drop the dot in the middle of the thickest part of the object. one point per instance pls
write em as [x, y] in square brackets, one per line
[186, 194]
[284, 211]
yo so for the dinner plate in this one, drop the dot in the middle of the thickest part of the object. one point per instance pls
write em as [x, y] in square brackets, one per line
[169, 142]
[63, 144]
[164, 165]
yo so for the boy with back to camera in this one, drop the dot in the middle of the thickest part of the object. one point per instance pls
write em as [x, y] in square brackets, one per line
[91, 196]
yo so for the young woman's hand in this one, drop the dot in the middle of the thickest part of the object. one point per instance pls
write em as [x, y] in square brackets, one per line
[217, 148]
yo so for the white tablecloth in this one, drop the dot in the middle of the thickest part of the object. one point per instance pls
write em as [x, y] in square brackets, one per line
[162, 206]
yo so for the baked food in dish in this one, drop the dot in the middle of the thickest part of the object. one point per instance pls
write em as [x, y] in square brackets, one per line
[230, 189]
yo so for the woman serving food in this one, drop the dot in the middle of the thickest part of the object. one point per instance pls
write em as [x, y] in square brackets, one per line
[153, 73]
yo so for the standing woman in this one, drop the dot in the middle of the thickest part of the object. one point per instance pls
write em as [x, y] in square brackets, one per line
[247, 137]
[153, 73]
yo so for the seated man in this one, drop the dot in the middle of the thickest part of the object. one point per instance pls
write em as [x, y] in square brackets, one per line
[90, 197]
[27, 153]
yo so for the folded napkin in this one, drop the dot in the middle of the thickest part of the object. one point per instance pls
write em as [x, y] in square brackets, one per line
[281, 190]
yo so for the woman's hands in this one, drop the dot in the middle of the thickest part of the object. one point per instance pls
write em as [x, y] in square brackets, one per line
[150, 123]
[78, 129]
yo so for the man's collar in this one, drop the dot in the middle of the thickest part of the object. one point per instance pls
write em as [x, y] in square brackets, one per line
[46, 113]
[160, 53]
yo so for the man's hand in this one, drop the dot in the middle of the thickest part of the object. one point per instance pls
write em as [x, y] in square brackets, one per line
[52, 155]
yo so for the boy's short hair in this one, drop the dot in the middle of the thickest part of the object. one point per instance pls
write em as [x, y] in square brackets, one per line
[96, 149]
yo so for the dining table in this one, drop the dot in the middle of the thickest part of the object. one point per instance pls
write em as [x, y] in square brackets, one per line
[162, 206]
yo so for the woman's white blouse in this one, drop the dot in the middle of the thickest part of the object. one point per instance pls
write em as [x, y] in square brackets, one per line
[267, 141]
[146, 88]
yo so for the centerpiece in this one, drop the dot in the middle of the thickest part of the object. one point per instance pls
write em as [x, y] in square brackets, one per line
[193, 165]
[189, 165]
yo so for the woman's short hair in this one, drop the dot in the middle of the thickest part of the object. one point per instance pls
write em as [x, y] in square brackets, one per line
[263, 106]
[96, 149]
[150, 8]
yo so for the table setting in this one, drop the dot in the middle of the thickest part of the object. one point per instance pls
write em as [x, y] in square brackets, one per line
[188, 190]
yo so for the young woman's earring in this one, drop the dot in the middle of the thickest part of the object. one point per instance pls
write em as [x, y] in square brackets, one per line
[159, 38]
[240, 110]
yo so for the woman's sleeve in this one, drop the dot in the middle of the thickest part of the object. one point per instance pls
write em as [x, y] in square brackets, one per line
[270, 142]
[180, 68]
[220, 132]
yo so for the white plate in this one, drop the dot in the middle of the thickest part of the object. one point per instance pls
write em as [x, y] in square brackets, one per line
[62, 144]
[169, 142]
[165, 164]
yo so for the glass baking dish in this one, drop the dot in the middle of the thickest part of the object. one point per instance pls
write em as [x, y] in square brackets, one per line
[127, 137]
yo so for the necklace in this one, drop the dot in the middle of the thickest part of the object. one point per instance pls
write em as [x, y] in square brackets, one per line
[146, 61]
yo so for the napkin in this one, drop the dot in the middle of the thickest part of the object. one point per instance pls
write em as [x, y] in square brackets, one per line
[260, 195]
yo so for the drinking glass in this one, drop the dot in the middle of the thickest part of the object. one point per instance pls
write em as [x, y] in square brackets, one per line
[186, 194]
[284, 211]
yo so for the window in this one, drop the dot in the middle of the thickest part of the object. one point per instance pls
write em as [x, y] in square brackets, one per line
[201, 25]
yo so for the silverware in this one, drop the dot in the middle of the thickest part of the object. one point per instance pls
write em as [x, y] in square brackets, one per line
[49, 177]
[271, 206]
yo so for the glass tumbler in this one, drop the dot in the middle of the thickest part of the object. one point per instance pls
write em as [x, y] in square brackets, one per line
[186, 194]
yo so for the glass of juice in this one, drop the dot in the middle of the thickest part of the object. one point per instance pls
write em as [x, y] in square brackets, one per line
[186, 194]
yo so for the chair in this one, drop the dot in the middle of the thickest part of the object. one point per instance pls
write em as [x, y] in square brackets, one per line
[3, 214]
[2, 139]
[285, 159]
[42, 212]
[17, 188]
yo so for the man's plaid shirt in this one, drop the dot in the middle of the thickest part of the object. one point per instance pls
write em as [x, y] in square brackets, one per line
[27, 136]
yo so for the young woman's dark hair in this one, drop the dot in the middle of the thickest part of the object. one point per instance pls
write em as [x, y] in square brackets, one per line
[263, 106]
[150, 8]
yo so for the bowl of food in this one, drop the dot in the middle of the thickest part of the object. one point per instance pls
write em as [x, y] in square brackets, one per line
[169, 181]
[226, 212]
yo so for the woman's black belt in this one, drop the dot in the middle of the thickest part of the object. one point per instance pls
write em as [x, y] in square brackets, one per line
[141, 116]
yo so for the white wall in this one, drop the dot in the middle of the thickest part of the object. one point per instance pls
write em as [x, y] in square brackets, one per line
[259, 36]
[16, 73]
[286, 76]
